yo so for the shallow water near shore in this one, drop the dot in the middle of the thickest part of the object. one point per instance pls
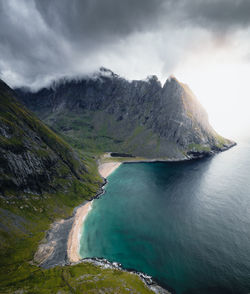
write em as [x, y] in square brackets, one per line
[187, 224]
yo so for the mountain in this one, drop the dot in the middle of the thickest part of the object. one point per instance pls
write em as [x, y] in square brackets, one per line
[143, 118]
[42, 179]
[33, 158]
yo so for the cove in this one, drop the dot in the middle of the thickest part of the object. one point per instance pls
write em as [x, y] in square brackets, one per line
[187, 224]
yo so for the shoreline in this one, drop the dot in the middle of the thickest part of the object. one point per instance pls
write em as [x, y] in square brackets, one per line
[76, 231]
[105, 169]
[61, 244]
[73, 244]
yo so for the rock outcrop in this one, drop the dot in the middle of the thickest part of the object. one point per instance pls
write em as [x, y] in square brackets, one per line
[33, 158]
[142, 118]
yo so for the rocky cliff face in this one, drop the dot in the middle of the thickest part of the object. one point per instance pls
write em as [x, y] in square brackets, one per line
[32, 157]
[143, 118]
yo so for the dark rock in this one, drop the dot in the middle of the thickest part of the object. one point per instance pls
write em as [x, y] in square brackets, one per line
[116, 154]
[32, 157]
[149, 120]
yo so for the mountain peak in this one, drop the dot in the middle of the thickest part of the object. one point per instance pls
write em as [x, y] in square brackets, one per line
[153, 79]
[172, 80]
[105, 72]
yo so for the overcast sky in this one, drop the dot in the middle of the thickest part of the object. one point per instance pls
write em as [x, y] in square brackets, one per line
[196, 40]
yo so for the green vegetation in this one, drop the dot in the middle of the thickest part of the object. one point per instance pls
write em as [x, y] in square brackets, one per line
[221, 141]
[99, 132]
[84, 132]
[198, 147]
[81, 278]
[18, 245]
[81, 133]
[26, 214]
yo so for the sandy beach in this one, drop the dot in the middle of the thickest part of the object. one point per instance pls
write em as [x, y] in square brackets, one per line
[105, 170]
[75, 233]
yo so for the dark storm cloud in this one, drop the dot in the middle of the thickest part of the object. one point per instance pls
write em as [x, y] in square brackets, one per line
[27, 48]
[217, 14]
[114, 17]
[98, 20]
[40, 40]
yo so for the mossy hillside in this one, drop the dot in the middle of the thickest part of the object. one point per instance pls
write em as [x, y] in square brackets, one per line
[81, 278]
[80, 132]
[100, 132]
[18, 245]
[26, 214]
[221, 142]
[199, 147]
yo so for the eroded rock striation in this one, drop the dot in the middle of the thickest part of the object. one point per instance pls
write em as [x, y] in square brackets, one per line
[33, 158]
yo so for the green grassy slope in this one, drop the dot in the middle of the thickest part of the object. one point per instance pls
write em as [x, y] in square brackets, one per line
[97, 131]
[42, 179]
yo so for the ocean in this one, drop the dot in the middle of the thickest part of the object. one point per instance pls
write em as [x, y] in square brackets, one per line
[187, 224]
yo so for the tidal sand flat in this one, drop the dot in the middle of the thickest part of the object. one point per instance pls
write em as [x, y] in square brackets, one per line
[178, 223]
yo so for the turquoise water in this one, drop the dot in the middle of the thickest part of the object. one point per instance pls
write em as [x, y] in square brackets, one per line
[186, 224]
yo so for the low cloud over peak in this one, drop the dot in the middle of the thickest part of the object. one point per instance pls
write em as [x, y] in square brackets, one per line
[44, 40]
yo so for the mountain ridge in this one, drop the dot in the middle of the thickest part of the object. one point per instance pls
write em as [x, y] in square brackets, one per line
[140, 117]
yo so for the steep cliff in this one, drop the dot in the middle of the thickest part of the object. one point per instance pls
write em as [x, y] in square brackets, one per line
[109, 113]
[32, 157]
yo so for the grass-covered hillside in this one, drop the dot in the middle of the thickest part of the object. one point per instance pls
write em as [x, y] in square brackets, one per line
[42, 179]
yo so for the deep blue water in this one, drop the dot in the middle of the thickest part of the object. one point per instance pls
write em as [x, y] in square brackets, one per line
[187, 224]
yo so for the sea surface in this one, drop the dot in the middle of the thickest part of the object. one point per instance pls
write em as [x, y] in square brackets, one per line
[187, 223]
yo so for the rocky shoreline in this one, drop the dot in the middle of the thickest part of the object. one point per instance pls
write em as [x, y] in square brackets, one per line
[201, 154]
[147, 280]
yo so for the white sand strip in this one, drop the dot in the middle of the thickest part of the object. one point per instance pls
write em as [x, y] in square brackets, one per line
[75, 233]
[107, 168]
[73, 245]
